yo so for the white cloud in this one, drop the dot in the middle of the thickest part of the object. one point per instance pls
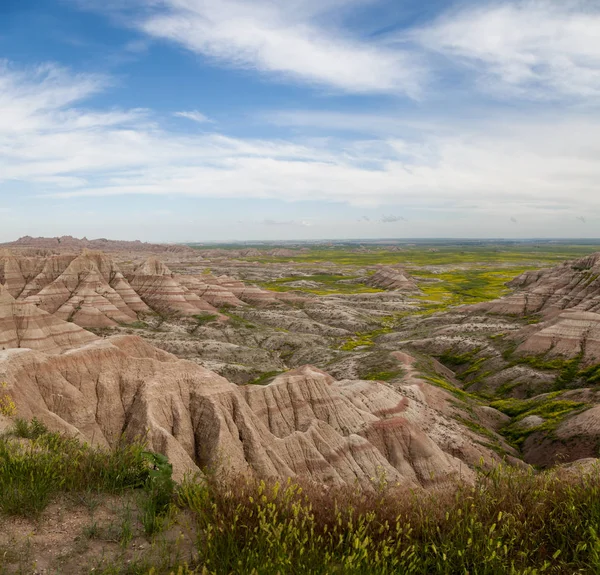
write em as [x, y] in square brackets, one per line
[270, 222]
[542, 49]
[194, 116]
[294, 39]
[57, 149]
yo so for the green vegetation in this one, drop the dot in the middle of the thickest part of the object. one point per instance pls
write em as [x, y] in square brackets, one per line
[591, 374]
[159, 489]
[32, 473]
[549, 407]
[367, 339]
[510, 521]
[383, 375]
[7, 404]
[328, 284]
[454, 360]
[442, 382]
[464, 286]
[360, 340]
[265, 378]
[441, 254]
[24, 429]
[569, 370]
[474, 273]
[204, 318]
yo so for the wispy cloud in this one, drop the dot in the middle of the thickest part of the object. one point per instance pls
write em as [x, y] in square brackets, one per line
[194, 116]
[52, 144]
[392, 219]
[540, 49]
[269, 222]
[296, 40]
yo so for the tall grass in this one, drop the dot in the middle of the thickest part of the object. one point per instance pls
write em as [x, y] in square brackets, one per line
[511, 521]
[32, 472]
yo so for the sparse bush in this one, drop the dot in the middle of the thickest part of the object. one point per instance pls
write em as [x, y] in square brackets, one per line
[28, 430]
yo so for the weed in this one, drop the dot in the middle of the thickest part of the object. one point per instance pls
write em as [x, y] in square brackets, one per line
[510, 521]
[591, 374]
[31, 474]
[28, 430]
[7, 404]
[158, 491]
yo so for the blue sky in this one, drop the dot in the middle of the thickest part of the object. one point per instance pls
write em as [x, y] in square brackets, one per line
[192, 120]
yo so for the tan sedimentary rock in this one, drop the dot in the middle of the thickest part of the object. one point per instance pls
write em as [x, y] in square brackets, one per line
[302, 424]
[212, 294]
[82, 293]
[158, 286]
[391, 278]
[52, 268]
[567, 299]
[218, 291]
[22, 325]
[573, 284]
[69, 243]
[571, 333]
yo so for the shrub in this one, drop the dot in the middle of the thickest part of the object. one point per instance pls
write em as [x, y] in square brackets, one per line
[28, 430]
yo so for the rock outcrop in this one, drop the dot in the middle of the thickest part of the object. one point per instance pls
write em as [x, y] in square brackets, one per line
[24, 326]
[391, 278]
[567, 299]
[157, 286]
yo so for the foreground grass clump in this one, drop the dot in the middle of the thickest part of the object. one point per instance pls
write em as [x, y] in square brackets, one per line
[33, 472]
[511, 521]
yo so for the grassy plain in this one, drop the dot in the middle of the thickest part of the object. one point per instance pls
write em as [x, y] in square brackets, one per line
[440, 255]
[454, 274]
[329, 284]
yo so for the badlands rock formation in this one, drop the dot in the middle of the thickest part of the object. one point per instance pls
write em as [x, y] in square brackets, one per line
[388, 277]
[71, 244]
[567, 298]
[24, 326]
[302, 424]
[91, 290]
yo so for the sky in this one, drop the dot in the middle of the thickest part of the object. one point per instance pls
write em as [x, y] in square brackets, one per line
[200, 120]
